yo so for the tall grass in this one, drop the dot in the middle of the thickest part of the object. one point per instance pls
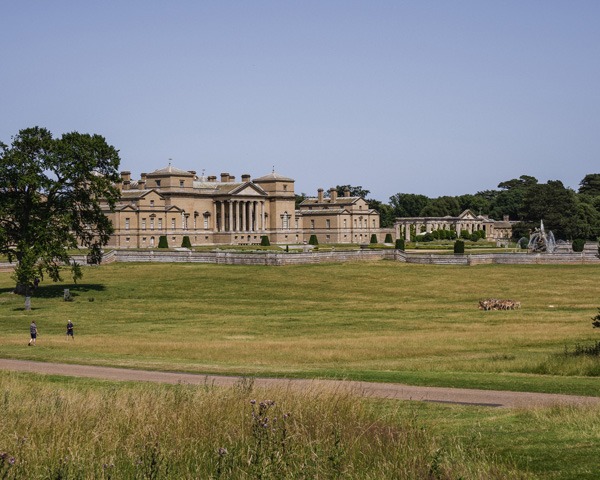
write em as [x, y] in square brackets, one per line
[77, 430]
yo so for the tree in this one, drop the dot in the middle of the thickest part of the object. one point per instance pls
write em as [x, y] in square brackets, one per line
[50, 201]
[556, 205]
[441, 207]
[408, 204]
[590, 185]
[355, 191]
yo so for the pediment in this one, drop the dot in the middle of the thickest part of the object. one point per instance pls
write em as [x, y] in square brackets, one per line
[248, 190]
[467, 215]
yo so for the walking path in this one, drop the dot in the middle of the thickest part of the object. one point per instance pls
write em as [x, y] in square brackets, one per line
[491, 398]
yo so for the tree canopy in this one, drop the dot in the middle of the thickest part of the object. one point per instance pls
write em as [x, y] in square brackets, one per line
[50, 193]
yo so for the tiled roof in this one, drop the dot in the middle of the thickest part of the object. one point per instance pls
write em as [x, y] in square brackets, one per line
[170, 170]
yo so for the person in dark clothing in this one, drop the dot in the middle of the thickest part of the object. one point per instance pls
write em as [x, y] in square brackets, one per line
[70, 330]
[33, 332]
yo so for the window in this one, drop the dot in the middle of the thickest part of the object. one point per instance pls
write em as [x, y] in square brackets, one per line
[205, 222]
[285, 221]
[151, 241]
[296, 223]
[173, 223]
[158, 183]
[373, 223]
[151, 223]
[181, 183]
[328, 224]
[285, 188]
[312, 224]
[143, 224]
[160, 223]
[126, 224]
[151, 203]
[345, 223]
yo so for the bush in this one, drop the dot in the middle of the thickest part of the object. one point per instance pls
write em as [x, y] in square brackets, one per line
[162, 242]
[578, 244]
[465, 235]
[388, 238]
[264, 241]
[459, 247]
[475, 236]
[400, 244]
[313, 240]
[373, 238]
[596, 320]
[185, 243]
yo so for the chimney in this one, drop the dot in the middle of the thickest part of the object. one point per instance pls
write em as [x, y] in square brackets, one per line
[320, 195]
[506, 218]
[347, 192]
[212, 178]
[193, 172]
[245, 177]
[332, 195]
[142, 182]
[126, 179]
[224, 177]
[231, 178]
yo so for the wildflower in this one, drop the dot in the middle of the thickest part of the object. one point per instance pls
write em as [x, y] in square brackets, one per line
[252, 402]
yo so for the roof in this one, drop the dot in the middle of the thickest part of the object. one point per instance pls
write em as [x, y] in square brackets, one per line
[170, 170]
[327, 201]
[273, 177]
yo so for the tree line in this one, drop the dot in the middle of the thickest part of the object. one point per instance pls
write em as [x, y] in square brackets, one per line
[568, 213]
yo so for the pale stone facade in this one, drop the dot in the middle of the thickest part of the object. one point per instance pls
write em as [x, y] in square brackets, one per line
[337, 219]
[466, 221]
[222, 211]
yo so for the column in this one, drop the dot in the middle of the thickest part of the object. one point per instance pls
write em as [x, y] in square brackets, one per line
[243, 208]
[230, 215]
[407, 232]
[262, 216]
[237, 215]
[214, 217]
[222, 229]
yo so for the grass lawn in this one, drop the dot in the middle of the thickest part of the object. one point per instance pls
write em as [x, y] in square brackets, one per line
[381, 321]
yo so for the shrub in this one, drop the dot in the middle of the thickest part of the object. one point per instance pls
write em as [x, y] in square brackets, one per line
[185, 243]
[388, 238]
[162, 242]
[475, 236]
[313, 240]
[264, 241]
[465, 235]
[596, 320]
[523, 243]
[459, 247]
[578, 244]
[373, 238]
[400, 244]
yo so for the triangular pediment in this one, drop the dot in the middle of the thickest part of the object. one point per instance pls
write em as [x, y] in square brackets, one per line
[248, 190]
[467, 215]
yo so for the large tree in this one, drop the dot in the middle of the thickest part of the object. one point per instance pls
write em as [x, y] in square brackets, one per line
[50, 193]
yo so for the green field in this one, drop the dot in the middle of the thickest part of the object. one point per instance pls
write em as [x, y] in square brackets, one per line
[380, 321]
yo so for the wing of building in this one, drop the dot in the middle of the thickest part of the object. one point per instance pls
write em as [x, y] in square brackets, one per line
[224, 211]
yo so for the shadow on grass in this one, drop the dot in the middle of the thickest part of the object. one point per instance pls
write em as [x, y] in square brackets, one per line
[57, 289]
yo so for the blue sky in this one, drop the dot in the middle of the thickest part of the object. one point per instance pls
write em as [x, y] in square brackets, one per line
[431, 97]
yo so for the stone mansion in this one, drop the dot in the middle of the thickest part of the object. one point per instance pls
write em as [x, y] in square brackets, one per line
[224, 211]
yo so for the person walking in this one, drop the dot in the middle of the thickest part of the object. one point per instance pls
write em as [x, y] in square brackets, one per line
[33, 332]
[70, 329]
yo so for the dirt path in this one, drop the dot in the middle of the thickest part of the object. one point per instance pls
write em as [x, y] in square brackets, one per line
[491, 398]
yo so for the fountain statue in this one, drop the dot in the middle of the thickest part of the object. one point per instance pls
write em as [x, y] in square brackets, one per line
[540, 241]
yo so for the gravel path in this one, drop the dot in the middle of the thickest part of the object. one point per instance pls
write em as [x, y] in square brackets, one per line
[490, 398]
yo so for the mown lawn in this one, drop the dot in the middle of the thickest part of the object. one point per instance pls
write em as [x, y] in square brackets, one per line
[381, 321]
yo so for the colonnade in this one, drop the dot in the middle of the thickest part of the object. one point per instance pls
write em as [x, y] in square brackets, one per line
[403, 227]
[239, 215]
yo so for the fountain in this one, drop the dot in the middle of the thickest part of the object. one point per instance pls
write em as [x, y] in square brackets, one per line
[540, 241]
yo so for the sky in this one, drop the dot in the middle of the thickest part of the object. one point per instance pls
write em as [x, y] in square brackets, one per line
[434, 97]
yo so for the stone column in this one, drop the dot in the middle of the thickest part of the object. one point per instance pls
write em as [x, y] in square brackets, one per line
[243, 208]
[214, 217]
[222, 229]
[407, 232]
[230, 216]
[262, 216]
[236, 216]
